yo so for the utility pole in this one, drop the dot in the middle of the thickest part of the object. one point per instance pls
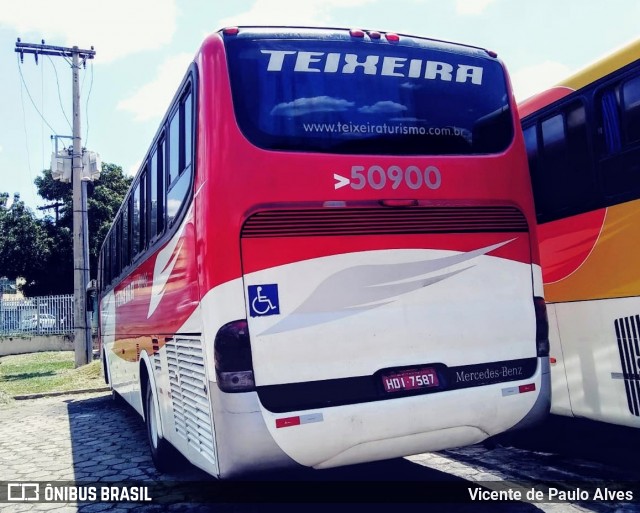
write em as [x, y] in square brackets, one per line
[55, 206]
[83, 341]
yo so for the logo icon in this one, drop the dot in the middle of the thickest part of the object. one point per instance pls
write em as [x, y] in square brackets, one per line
[263, 300]
[23, 492]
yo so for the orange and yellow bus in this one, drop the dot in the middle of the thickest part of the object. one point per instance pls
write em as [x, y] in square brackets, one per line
[583, 145]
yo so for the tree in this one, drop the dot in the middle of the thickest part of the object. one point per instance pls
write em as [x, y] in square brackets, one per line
[105, 198]
[25, 244]
[56, 275]
[103, 201]
[41, 250]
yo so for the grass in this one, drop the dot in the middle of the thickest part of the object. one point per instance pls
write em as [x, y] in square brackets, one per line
[40, 373]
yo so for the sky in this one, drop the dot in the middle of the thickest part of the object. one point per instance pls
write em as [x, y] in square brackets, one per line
[143, 48]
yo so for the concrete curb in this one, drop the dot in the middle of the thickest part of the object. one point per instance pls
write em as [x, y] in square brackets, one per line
[56, 394]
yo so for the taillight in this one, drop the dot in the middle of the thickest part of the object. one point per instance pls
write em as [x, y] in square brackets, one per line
[232, 354]
[542, 326]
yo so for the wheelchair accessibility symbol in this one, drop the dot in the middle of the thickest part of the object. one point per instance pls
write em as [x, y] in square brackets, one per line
[263, 300]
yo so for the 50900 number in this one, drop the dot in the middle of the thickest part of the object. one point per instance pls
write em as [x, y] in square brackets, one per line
[378, 177]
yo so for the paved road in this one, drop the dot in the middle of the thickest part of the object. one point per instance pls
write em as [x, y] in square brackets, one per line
[85, 438]
[90, 439]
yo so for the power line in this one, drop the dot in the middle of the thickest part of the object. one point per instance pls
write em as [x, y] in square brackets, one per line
[32, 102]
[55, 70]
[86, 109]
[42, 108]
[26, 133]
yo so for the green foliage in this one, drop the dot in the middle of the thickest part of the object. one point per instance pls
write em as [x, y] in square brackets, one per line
[104, 200]
[25, 244]
[40, 250]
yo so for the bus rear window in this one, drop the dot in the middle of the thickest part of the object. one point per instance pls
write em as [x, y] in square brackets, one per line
[369, 98]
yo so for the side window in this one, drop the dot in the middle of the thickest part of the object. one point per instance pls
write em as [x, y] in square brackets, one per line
[531, 144]
[156, 193]
[580, 178]
[609, 103]
[176, 195]
[619, 163]
[553, 140]
[631, 110]
[136, 224]
[537, 181]
[188, 130]
[126, 230]
[106, 264]
[115, 255]
[162, 177]
[112, 255]
[174, 147]
[568, 184]
[553, 162]
[142, 236]
[180, 156]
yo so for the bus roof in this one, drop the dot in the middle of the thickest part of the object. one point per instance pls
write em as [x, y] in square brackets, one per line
[600, 68]
[615, 60]
[347, 34]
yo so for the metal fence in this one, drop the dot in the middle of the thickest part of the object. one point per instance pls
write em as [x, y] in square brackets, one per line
[46, 315]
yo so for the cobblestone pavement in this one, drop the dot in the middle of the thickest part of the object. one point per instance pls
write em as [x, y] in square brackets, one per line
[76, 438]
[91, 439]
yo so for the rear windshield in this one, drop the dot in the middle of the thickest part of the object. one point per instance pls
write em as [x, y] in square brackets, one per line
[371, 98]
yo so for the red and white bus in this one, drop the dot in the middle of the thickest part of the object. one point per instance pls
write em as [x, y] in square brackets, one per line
[329, 256]
[583, 142]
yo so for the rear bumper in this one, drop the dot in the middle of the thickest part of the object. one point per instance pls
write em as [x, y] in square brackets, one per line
[256, 439]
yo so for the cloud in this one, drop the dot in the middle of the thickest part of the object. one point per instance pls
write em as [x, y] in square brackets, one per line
[472, 7]
[530, 80]
[290, 12]
[115, 28]
[152, 99]
[303, 106]
[384, 107]
[133, 169]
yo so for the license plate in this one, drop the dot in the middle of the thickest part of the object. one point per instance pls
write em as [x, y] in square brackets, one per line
[413, 379]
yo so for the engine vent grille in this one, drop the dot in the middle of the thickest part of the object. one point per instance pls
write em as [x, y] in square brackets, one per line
[628, 335]
[377, 221]
[189, 394]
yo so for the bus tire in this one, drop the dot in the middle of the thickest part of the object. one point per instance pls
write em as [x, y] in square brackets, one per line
[105, 370]
[160, 448]
[115, 396]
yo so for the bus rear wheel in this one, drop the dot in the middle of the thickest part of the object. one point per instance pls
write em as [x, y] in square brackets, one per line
[160, 448]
